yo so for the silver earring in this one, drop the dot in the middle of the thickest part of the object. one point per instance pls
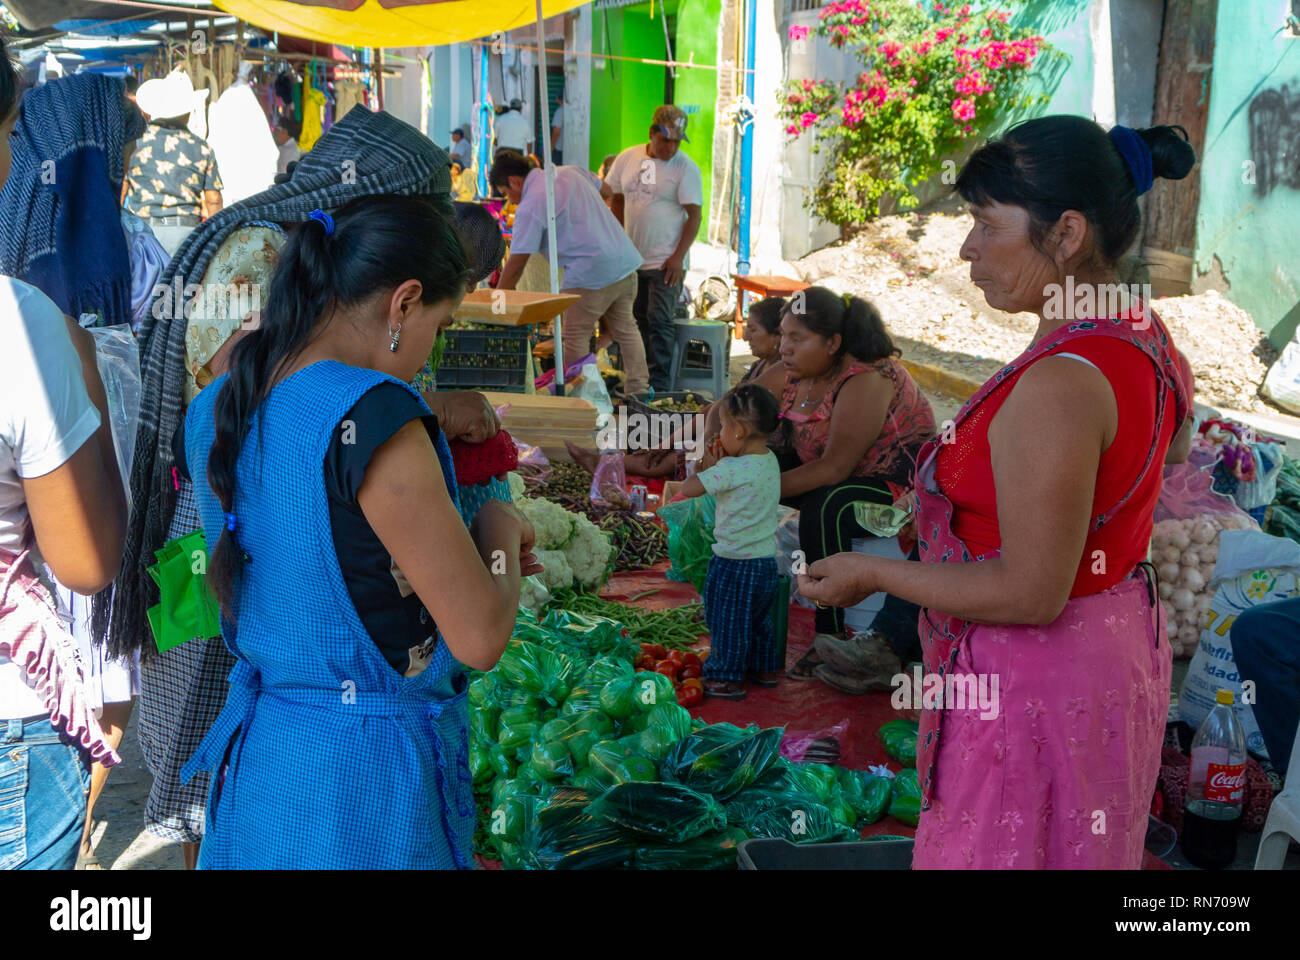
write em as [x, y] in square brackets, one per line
[392, 346]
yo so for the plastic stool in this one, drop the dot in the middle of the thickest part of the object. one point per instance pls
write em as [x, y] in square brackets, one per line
[1283, 823]
[716, 378]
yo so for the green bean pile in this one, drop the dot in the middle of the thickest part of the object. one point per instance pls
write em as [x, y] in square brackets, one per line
[639, 542]
[568, 483]
[677, 628]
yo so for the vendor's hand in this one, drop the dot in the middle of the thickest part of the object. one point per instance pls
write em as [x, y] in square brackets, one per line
[712, 452]
[655, 458]
[843, 580]
[673, 271]
[465, 415]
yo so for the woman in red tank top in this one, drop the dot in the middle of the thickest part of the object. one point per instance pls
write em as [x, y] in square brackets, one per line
[1047, 671]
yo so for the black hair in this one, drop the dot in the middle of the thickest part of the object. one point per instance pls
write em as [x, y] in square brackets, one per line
[135, 122]
[10, 83]
[289, 125]
[172, 123]
[608, 162]
[857, 321]
[131, 82]
[1058, 163]
[507, 164]
[768, 313]
[753, 405]
[379, 242]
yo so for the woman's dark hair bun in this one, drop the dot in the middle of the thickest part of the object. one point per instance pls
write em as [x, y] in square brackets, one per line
[1172, 157]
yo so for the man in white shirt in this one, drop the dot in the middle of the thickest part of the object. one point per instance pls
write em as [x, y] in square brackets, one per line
[557, 130]
[513, 131]
[460, 149]
[598, 259]
[286, 138]
[658, 195]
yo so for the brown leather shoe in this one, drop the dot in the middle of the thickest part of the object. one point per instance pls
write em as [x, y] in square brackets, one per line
[861, 653]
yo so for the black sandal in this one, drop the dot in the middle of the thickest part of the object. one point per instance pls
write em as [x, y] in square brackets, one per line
[805, 666]
[763, 680]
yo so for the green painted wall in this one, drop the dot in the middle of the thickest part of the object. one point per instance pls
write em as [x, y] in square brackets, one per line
[1250, 228]
[696, 91]
[624, 95]
[1066, 75]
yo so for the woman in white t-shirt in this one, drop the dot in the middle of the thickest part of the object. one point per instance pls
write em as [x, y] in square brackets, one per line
[60, 498]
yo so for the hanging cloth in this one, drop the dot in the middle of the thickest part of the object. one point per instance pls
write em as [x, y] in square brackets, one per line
[313, 101]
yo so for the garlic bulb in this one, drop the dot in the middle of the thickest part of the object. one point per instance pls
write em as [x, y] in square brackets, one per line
[1166, 589]
[1182, 599]
[1192, 579]
[1169, 572]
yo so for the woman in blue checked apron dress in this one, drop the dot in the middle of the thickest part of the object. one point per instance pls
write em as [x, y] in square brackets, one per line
[344, 741]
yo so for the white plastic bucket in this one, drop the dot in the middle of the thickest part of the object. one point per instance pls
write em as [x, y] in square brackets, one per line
[861, 616]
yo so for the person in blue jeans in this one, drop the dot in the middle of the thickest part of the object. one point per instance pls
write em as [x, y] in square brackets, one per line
[60, 489]
[742, 581]
[1266, 643]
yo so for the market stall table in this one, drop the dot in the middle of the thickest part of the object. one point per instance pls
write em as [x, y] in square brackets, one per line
[764, 285]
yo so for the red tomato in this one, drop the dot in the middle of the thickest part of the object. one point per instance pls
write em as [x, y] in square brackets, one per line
[689, 672]
[695, 682]
[676, 656]
[667, 668]
[658, 651]
[689, 696]
[691, 658]
[644, 662]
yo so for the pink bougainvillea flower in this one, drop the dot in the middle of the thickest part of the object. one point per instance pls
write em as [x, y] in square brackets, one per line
[942, 34]
[792, 130]
[798, 31]
[807, 119]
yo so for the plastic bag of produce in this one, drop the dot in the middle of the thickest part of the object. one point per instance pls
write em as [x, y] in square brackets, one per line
[544, 673]
[563, 836]
[1252, 569]
[609, 482]
[587, 636]
[656, 742]
[795, 744]
[817, 780]
[514, 736]
[899, 739]
[621, 761]
[690, 538]
[1185, 546]
[799, 820]
[905, 802]
[663, 812]
[604, 669]
[1284, 516]
[712, 851]
[867, 795]
[501, 764]
[672, 717]
[576, 733]
[723, 759]
[581, 699]
[618, 697]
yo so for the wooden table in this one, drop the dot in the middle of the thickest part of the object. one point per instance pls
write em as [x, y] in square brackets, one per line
[765, 285]
[513, 308]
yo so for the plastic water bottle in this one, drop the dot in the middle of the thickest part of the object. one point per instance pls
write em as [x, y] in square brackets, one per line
[1216, 788]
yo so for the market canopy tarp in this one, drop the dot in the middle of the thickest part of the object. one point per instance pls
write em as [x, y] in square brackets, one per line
[392, 23]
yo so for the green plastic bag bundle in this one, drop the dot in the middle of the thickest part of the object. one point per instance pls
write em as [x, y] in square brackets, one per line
[712, 851]
[662, 812]
[499, 762]
[867, 795]
[483, 693]
[581, 699]
[723, 759]
[742, 808]
[604, 669]
[672, 717]
[585, 730]
[657, 742]
[621, 761]
[563, 836]
[815, 779]
[899, 739]
[630, 699]
[905, 804]
[547, 674]
[690, 538]
[186, 606]
[799, 820]
[513, 736]
[480, 765]
[587, 637]
[483, 724]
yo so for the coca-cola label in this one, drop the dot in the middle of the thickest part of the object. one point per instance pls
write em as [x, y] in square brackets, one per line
[1225, 782]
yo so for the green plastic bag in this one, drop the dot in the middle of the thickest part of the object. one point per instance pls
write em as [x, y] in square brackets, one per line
[657, 742]
[483, 724]
[501, 764]
[186, 607]
[712, 851]
[723, 759]
[587, 637]
[899, 739]
[673, 717]
[563, 836]
[905, 804]
[662, 812]
[690, 538]
[799, 820]
[815, 779]
[867, 795]
[581, 699]
[544, 673]
[585, 731]
[514, 736]
[621, 761]
[604, 669]
[480, 766]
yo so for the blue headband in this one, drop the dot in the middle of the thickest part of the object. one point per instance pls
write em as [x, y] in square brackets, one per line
[1136, 154]
[324, 219]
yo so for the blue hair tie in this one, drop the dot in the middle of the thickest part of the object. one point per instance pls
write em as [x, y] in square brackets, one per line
[324, 219]
[1136, 154]
[230, 522]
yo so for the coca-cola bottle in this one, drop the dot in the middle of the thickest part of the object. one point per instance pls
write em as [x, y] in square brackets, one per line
[1216, 789]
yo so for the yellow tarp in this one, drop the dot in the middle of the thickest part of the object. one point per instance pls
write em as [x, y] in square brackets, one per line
[415, 24]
